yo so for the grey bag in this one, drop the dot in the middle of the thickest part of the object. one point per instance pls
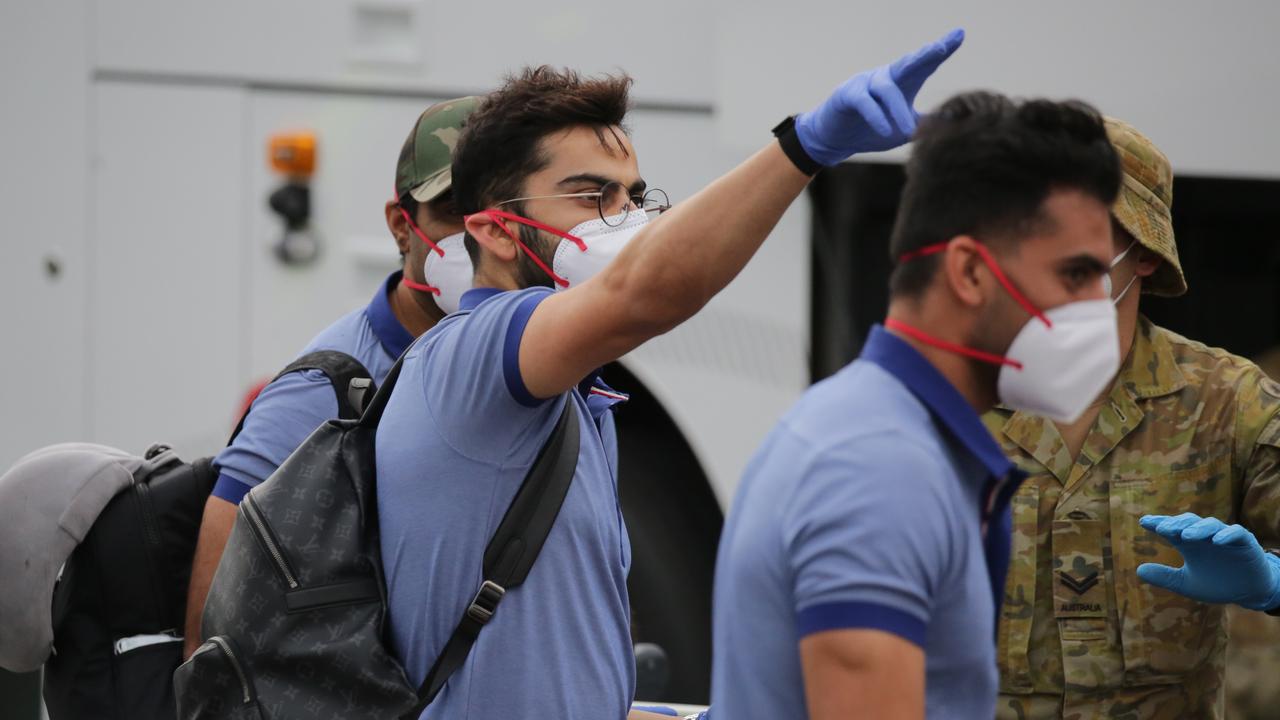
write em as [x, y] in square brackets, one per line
[49, 500]
[296, 617]
[95, 548]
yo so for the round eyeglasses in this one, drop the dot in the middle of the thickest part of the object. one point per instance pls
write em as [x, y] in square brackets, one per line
[614, 202]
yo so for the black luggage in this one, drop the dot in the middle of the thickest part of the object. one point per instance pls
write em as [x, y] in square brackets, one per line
[120, 604]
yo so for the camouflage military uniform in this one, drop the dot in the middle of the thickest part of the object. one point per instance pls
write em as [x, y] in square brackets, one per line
[1253, 665]
[1253, 650]
[1185, 428]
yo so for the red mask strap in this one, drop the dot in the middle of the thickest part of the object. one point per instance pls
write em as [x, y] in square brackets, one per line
[419, 286]
[417, 231]
[498, 216]
[922, 252]
[408, 282]
[949, 346]
[995, 269]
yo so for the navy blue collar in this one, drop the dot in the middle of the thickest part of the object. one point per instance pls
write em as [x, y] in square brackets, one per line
[390, 333]
[937, 393]
[473, 297]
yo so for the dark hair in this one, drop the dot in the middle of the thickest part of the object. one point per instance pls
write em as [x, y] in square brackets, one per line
[442, 205]
[500, 146]
[983, 165]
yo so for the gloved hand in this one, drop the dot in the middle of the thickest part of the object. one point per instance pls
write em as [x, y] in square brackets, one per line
[1224, 563]
[872, 110]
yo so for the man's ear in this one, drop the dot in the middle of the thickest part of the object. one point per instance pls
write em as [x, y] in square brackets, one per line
[1148, 262]
[962, 269]
[399, 228]
[489, 232]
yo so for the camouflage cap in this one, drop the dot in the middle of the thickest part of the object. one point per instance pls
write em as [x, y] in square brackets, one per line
[424, 167]
[1143, 207]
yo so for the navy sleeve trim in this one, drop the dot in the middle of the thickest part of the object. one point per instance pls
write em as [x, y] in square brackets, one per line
[230, 489]
[864, 615]
[511, 350]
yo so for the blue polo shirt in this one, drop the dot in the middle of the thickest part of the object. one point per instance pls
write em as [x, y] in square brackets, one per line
[457, 438]
[880, 501]
[290, 408]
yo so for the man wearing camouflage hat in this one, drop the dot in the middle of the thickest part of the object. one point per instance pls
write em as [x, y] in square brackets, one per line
[1181, 427]
[426, 227]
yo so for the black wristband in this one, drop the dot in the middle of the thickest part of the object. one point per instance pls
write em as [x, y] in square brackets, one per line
[785, 131]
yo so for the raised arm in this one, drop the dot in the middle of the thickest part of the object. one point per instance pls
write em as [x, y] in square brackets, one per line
[681, 260]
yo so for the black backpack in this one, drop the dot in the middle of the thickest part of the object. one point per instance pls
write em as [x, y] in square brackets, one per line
[296, 618]
[119, 609]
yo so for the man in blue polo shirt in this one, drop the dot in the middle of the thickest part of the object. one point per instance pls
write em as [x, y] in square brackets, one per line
[863, 559]
[424, 223]
[557, 203]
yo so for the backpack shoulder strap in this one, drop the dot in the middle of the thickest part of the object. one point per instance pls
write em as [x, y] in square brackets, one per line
[378, 397]
[341, 369]
[352, 383]
[514, 547]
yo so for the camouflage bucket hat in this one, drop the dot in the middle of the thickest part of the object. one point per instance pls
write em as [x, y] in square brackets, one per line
[1143, 207]
[424, 167]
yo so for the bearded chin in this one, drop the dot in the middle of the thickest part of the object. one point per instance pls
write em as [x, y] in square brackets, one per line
[991, 335]
[528, 274]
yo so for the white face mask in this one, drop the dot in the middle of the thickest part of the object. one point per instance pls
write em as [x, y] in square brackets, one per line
[447, 275]
[1058, 362]
[1064, 367]
[452, 273]
[1106, 279]
[584, 250]
[576, 263]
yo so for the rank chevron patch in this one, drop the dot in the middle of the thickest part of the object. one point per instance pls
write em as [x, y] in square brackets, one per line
[1079, 586]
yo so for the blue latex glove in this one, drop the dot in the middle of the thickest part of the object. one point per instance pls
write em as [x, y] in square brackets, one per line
[872, 110]
[1223, 563]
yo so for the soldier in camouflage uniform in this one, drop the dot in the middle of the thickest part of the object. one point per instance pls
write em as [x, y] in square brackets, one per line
[1183, 427]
